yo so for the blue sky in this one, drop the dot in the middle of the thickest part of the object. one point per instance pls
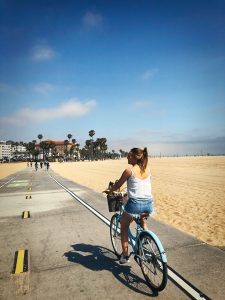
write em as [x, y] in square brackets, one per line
[140, 73]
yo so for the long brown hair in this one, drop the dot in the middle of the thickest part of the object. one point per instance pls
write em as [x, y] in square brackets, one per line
[141, 156]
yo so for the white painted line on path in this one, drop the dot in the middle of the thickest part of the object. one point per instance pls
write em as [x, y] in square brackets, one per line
[6, 182]
[100, 216]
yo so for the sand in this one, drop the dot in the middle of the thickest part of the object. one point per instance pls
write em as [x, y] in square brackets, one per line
[11, 168]
[189, 192]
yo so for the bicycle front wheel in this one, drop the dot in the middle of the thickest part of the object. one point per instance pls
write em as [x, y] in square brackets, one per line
[115, 234]
[152, 265]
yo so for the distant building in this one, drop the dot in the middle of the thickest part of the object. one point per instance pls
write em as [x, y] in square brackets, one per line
[59, 148]
[18, 150]
[5, 150]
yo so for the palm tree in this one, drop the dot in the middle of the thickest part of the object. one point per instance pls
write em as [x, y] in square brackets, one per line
[91, 134]
[47, 148]
[73, 148]
[31, 149]
[88, 144]
[84, 153]
[35, 154]
[77, 151]
[103, 147]
[42, 146]
[96, 147]
[123, 153]
[69, 136]
[40, 137]
[66, 143]
[52, 148]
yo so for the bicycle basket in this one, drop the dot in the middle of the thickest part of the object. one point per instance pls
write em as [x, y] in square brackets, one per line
[114, 202]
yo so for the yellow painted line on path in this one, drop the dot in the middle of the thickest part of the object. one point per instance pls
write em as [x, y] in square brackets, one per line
[20, 262]
[26, 215]
[21, 273]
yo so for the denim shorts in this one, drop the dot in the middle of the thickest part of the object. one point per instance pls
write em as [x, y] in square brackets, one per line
[135, 207]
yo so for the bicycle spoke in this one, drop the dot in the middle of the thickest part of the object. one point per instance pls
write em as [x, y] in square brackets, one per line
[153, 268]
[115, 234]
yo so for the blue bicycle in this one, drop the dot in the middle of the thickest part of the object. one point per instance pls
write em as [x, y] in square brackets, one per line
[146, 247]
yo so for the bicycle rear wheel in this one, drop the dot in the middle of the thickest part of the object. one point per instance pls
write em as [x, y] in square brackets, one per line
[115, 234]
[151, 263]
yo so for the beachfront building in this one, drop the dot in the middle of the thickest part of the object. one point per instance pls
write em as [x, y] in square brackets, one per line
[5, 151]
[54, 149]
[18, 150]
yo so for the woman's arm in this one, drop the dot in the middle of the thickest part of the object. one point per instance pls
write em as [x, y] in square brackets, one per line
[125, 175]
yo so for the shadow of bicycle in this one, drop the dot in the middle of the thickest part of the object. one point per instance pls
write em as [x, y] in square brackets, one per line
[98, 258]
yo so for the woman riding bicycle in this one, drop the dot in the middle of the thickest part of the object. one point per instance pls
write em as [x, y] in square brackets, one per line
[140, 199]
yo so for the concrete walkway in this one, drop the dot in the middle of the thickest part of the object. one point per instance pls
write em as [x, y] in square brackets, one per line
[70, 253]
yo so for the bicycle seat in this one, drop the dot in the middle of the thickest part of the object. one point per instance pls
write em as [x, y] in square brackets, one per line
[138, 218]
[144, 215]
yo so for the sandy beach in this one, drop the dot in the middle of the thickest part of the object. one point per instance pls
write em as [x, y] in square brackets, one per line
[11, 168]
[189, 192]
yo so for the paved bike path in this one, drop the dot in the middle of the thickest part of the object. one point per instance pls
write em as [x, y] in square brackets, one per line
[70, 253]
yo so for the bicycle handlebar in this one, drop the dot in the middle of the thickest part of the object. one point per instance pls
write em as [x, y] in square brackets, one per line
[115, 193]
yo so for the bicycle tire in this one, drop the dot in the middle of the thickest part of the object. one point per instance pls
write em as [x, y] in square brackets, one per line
[115, 234]
[151, 263]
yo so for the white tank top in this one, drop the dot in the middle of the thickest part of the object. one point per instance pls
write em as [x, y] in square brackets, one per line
[139, 188]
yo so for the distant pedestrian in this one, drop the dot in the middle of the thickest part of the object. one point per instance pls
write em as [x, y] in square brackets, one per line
[47, 165]
[41, 164]
[36, 165]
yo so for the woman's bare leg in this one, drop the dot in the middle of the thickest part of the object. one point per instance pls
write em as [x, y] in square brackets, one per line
[143, 224]
[125, 222]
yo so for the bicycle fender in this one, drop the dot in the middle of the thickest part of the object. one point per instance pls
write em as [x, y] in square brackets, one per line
[157, 240]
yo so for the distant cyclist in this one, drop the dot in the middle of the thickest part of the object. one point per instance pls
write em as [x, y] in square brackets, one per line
[140, 199]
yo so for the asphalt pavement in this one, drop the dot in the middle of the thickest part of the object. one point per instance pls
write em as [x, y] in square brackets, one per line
[69, 253]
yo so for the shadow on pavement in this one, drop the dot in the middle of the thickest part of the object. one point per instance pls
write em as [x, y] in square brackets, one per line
[98, 258]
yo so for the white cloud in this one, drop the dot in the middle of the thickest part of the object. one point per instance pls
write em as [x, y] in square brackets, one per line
[44, 88]
[158, 144]
[72, 108]
[92, 20]
[42, 52]
[140, 104]
[149, 74]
